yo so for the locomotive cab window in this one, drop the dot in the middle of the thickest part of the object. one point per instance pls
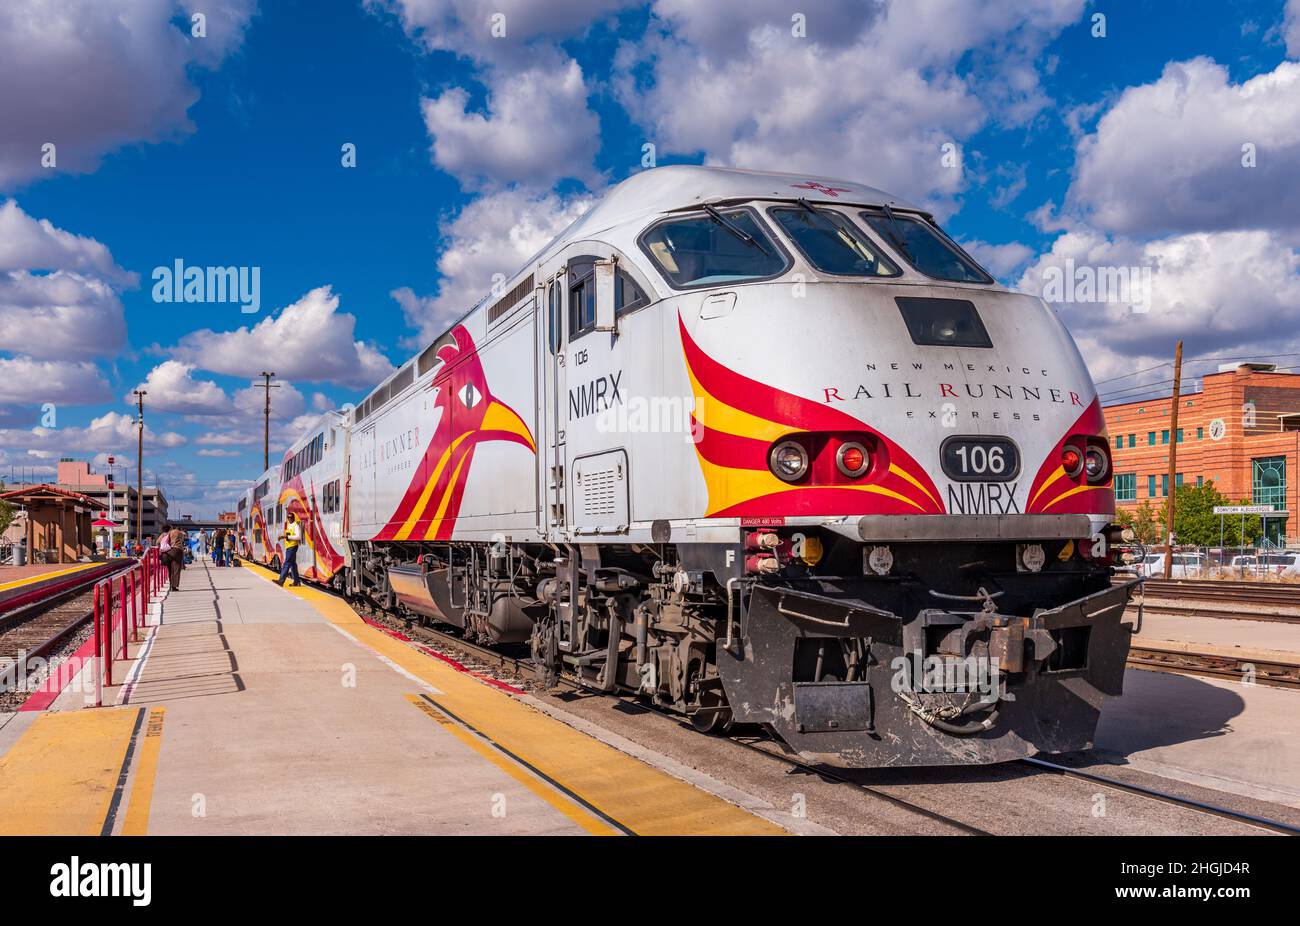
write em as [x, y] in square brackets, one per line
[943, 322]
[582, 295]
[831, 244]
[925, 247]
[718, 246]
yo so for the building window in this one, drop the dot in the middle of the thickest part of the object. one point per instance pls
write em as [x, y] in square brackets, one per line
[1200, 481]
[1119, 442]
[1151, 487]
[1151, 438]
[1178, 480]
[1164, 485]
[1164, 437]
[1126, 487]
[1268, 481]
[1179, 436]
[1132, 440]
[1200, 433]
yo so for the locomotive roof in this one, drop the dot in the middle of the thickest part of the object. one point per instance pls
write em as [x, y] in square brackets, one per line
[685, 186]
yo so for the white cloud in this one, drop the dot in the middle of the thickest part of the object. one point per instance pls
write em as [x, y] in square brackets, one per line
[111, 432]
[1000, 259]
[227, 438]
[24, 381]
[35, 244]
[96, 75]
[465, 27]
[537, 128]
[1167, 156]
[871, 94]
[494, 234]
[59, 292]
[309, 340]
[218, 452]
[171, 387]
[1236, 291]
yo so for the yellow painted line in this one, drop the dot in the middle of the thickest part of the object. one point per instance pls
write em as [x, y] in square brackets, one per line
[45, 576]
[585, 819]
[59, 778]
[640, 797]
[136, 822]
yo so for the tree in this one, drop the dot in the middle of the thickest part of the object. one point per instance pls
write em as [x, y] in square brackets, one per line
[6, 514]
[1147, 522]
[1195, 522]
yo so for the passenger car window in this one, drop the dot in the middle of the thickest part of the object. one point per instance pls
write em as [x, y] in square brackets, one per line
[718, 246]
[831, 244]
[925, 247]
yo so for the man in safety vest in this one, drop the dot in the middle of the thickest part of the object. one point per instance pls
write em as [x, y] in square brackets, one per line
[292, 537]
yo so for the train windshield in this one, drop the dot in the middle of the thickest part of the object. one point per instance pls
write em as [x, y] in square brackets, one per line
[831, 243]
[720, 246]
[925, 247]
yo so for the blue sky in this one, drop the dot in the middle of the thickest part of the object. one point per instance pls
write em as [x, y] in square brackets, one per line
[472, 149]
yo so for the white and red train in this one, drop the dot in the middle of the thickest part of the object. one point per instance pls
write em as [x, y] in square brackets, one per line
[763, 447]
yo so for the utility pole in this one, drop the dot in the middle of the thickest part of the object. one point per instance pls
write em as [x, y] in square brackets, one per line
[1173, 461]
[266, 439]
[139, 468]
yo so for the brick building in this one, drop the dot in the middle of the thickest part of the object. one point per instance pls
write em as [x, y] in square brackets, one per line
[1242, 430]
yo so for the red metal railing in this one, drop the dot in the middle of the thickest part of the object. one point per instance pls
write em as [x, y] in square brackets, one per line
[121, 607]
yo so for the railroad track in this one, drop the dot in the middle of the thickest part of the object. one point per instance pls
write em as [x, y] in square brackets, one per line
[38, 628]
[1279, 673]
[1183, 611]
[513, 664]
[1259, 594]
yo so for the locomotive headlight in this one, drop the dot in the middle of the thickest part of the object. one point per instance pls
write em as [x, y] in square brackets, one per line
[852, 459]
[1072, 460]
[788, 460]
[1094, 461]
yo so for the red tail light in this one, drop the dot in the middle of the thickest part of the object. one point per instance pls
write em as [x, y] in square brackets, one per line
[1072, 460]
[853, 460]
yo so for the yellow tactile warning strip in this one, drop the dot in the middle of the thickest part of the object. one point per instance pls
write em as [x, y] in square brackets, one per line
[136, 822]
[589, 820]
[65, 775]
[46, 576]
[616, 787]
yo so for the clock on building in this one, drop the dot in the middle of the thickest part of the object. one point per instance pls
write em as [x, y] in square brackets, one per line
[1218, 429]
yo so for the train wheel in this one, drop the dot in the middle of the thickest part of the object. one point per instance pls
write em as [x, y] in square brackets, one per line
[714, 716]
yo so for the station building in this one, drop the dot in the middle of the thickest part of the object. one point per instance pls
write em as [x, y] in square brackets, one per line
[117, 497]
[1241, 430]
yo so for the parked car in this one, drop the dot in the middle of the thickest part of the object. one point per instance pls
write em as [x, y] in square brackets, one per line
[1184, 566]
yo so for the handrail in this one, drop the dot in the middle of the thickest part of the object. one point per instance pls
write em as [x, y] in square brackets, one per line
[136, 588]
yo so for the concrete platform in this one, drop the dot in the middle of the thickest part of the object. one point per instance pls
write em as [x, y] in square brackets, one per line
[1219, 632]
[1217, 733]
[252, 709]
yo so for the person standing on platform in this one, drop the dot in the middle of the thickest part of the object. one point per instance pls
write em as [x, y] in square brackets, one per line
[172, 547]
[230, 548]
[292, 537]
[219, 547]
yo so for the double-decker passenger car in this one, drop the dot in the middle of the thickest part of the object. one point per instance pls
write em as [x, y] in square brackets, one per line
[765, 448]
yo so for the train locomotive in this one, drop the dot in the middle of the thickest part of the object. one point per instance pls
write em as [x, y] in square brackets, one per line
[763, 448]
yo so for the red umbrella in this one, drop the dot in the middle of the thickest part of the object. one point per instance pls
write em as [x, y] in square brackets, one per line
[103, 522]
